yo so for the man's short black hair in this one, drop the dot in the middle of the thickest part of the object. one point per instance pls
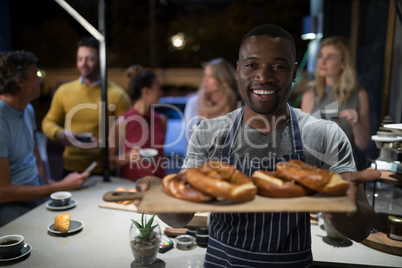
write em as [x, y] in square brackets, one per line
[13, 67]
[271, 30]
[88, 41]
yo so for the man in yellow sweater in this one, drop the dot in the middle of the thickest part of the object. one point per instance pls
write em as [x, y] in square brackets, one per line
[77, 108]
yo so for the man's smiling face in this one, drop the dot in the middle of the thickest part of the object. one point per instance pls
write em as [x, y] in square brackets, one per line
[265, 71]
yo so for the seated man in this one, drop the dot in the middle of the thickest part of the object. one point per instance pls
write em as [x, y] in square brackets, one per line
[21, 188]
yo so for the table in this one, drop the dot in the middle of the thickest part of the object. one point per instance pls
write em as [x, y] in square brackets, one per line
[327, 253]
[103, 242]
[385, 195]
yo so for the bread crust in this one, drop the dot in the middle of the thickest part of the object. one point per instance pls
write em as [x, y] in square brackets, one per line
[222, 180]
[320, 180]
[219, 180]
[62, 222]
[177, 186]
[272, 184]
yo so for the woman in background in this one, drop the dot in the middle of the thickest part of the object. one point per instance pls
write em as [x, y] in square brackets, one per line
[217, 96]
[140, 127]
[335, 86]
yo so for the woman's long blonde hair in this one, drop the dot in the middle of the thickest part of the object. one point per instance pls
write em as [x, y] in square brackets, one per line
[347, 85]
[225, 73]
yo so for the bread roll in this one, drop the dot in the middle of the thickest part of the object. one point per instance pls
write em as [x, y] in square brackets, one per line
[272, 184]
[320, 180]
[62, 222]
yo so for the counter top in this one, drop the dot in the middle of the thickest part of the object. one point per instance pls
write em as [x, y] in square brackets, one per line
[349, 254]
[103, 241]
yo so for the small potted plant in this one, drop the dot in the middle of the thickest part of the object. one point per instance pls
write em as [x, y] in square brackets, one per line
[145, 238]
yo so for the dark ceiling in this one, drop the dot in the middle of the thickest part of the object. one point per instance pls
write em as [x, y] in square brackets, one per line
[213, 29]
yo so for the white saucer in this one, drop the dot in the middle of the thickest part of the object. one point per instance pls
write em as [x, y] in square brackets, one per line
[75, 226]
[386, 139]
[50, 205]
[24, 251]
[396, 128]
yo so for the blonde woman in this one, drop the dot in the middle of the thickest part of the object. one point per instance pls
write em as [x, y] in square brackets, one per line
[217, 95]
[335, 87]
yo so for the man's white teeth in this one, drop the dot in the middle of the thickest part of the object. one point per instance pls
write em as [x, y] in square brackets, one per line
[264, 92]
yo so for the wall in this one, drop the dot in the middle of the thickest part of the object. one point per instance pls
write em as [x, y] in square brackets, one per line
[169, 78]
[5, 36]
[175, 82]
[370, 60]
[395, 104]
[368, 34]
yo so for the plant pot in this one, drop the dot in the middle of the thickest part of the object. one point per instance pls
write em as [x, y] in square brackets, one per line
[145, 249]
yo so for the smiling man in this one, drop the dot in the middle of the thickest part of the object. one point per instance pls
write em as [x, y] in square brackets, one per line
[264, 132]
[76, 107]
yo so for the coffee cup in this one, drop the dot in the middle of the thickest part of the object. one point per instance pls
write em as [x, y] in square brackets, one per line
[85, 137]
[61, 198]
[330, 114]
[11, 245]
[148, 153]
[332, 233]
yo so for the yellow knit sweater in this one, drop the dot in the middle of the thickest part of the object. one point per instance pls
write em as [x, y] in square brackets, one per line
[80, 107]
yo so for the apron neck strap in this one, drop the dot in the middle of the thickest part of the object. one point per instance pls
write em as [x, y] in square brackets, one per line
[230, 138]
[297, 141]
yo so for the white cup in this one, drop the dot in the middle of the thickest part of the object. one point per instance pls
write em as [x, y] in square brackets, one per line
[330, 114]
[61, 198]
[332, 233]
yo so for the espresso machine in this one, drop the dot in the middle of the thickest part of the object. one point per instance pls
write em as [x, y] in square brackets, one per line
[388, 140]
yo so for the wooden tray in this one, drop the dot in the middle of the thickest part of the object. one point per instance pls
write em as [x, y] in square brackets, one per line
[381, 242]
[114, 205]
[156, 200]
